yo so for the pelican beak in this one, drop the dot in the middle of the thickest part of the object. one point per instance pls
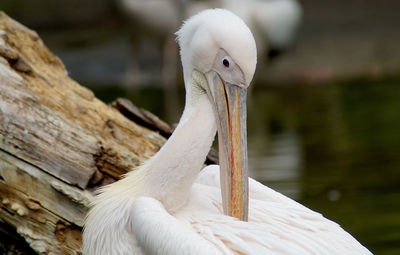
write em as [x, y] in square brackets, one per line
[230, 112]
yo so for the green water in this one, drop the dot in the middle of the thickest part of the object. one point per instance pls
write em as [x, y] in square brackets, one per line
[333, 147]
[349, 142]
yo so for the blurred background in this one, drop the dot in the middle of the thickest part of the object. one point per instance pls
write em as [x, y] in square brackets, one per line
[324, 107]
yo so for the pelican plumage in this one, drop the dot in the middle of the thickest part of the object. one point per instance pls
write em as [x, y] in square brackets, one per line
[169, 206]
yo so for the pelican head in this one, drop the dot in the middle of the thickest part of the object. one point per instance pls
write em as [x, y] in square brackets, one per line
[219, 58]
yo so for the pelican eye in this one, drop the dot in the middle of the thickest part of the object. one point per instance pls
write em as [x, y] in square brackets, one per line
[225, 62]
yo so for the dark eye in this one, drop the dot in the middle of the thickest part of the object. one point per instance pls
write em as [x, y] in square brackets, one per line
[225, 62]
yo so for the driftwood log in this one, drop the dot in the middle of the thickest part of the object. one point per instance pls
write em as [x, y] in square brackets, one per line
[58, 143]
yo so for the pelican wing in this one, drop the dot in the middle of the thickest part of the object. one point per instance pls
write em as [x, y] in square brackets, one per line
[277, 224]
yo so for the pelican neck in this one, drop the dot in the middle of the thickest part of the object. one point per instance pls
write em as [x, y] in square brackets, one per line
[174, 168]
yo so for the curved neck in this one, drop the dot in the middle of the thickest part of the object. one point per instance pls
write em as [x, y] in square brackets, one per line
[172, 170]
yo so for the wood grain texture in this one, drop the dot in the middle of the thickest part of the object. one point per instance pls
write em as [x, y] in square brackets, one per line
[58, 143]
[52, 122]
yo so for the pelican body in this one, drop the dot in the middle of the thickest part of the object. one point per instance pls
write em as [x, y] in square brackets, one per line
[170, 206]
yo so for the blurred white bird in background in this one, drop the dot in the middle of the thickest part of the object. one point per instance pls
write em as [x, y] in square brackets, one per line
[152, 23]
[167, 207]
[275, 24]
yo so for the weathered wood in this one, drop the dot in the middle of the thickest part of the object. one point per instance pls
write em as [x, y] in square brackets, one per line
[41, 214]
[50, 120]
[58, 143]
[142, 117]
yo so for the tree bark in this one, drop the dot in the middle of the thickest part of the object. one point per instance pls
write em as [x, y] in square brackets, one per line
[58, 143]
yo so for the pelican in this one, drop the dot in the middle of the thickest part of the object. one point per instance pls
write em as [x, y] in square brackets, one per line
[170, 206]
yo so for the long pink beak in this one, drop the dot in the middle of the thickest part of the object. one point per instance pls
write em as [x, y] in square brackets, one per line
[230, 111]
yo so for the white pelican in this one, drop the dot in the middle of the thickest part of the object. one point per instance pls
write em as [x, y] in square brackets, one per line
[167, 206]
